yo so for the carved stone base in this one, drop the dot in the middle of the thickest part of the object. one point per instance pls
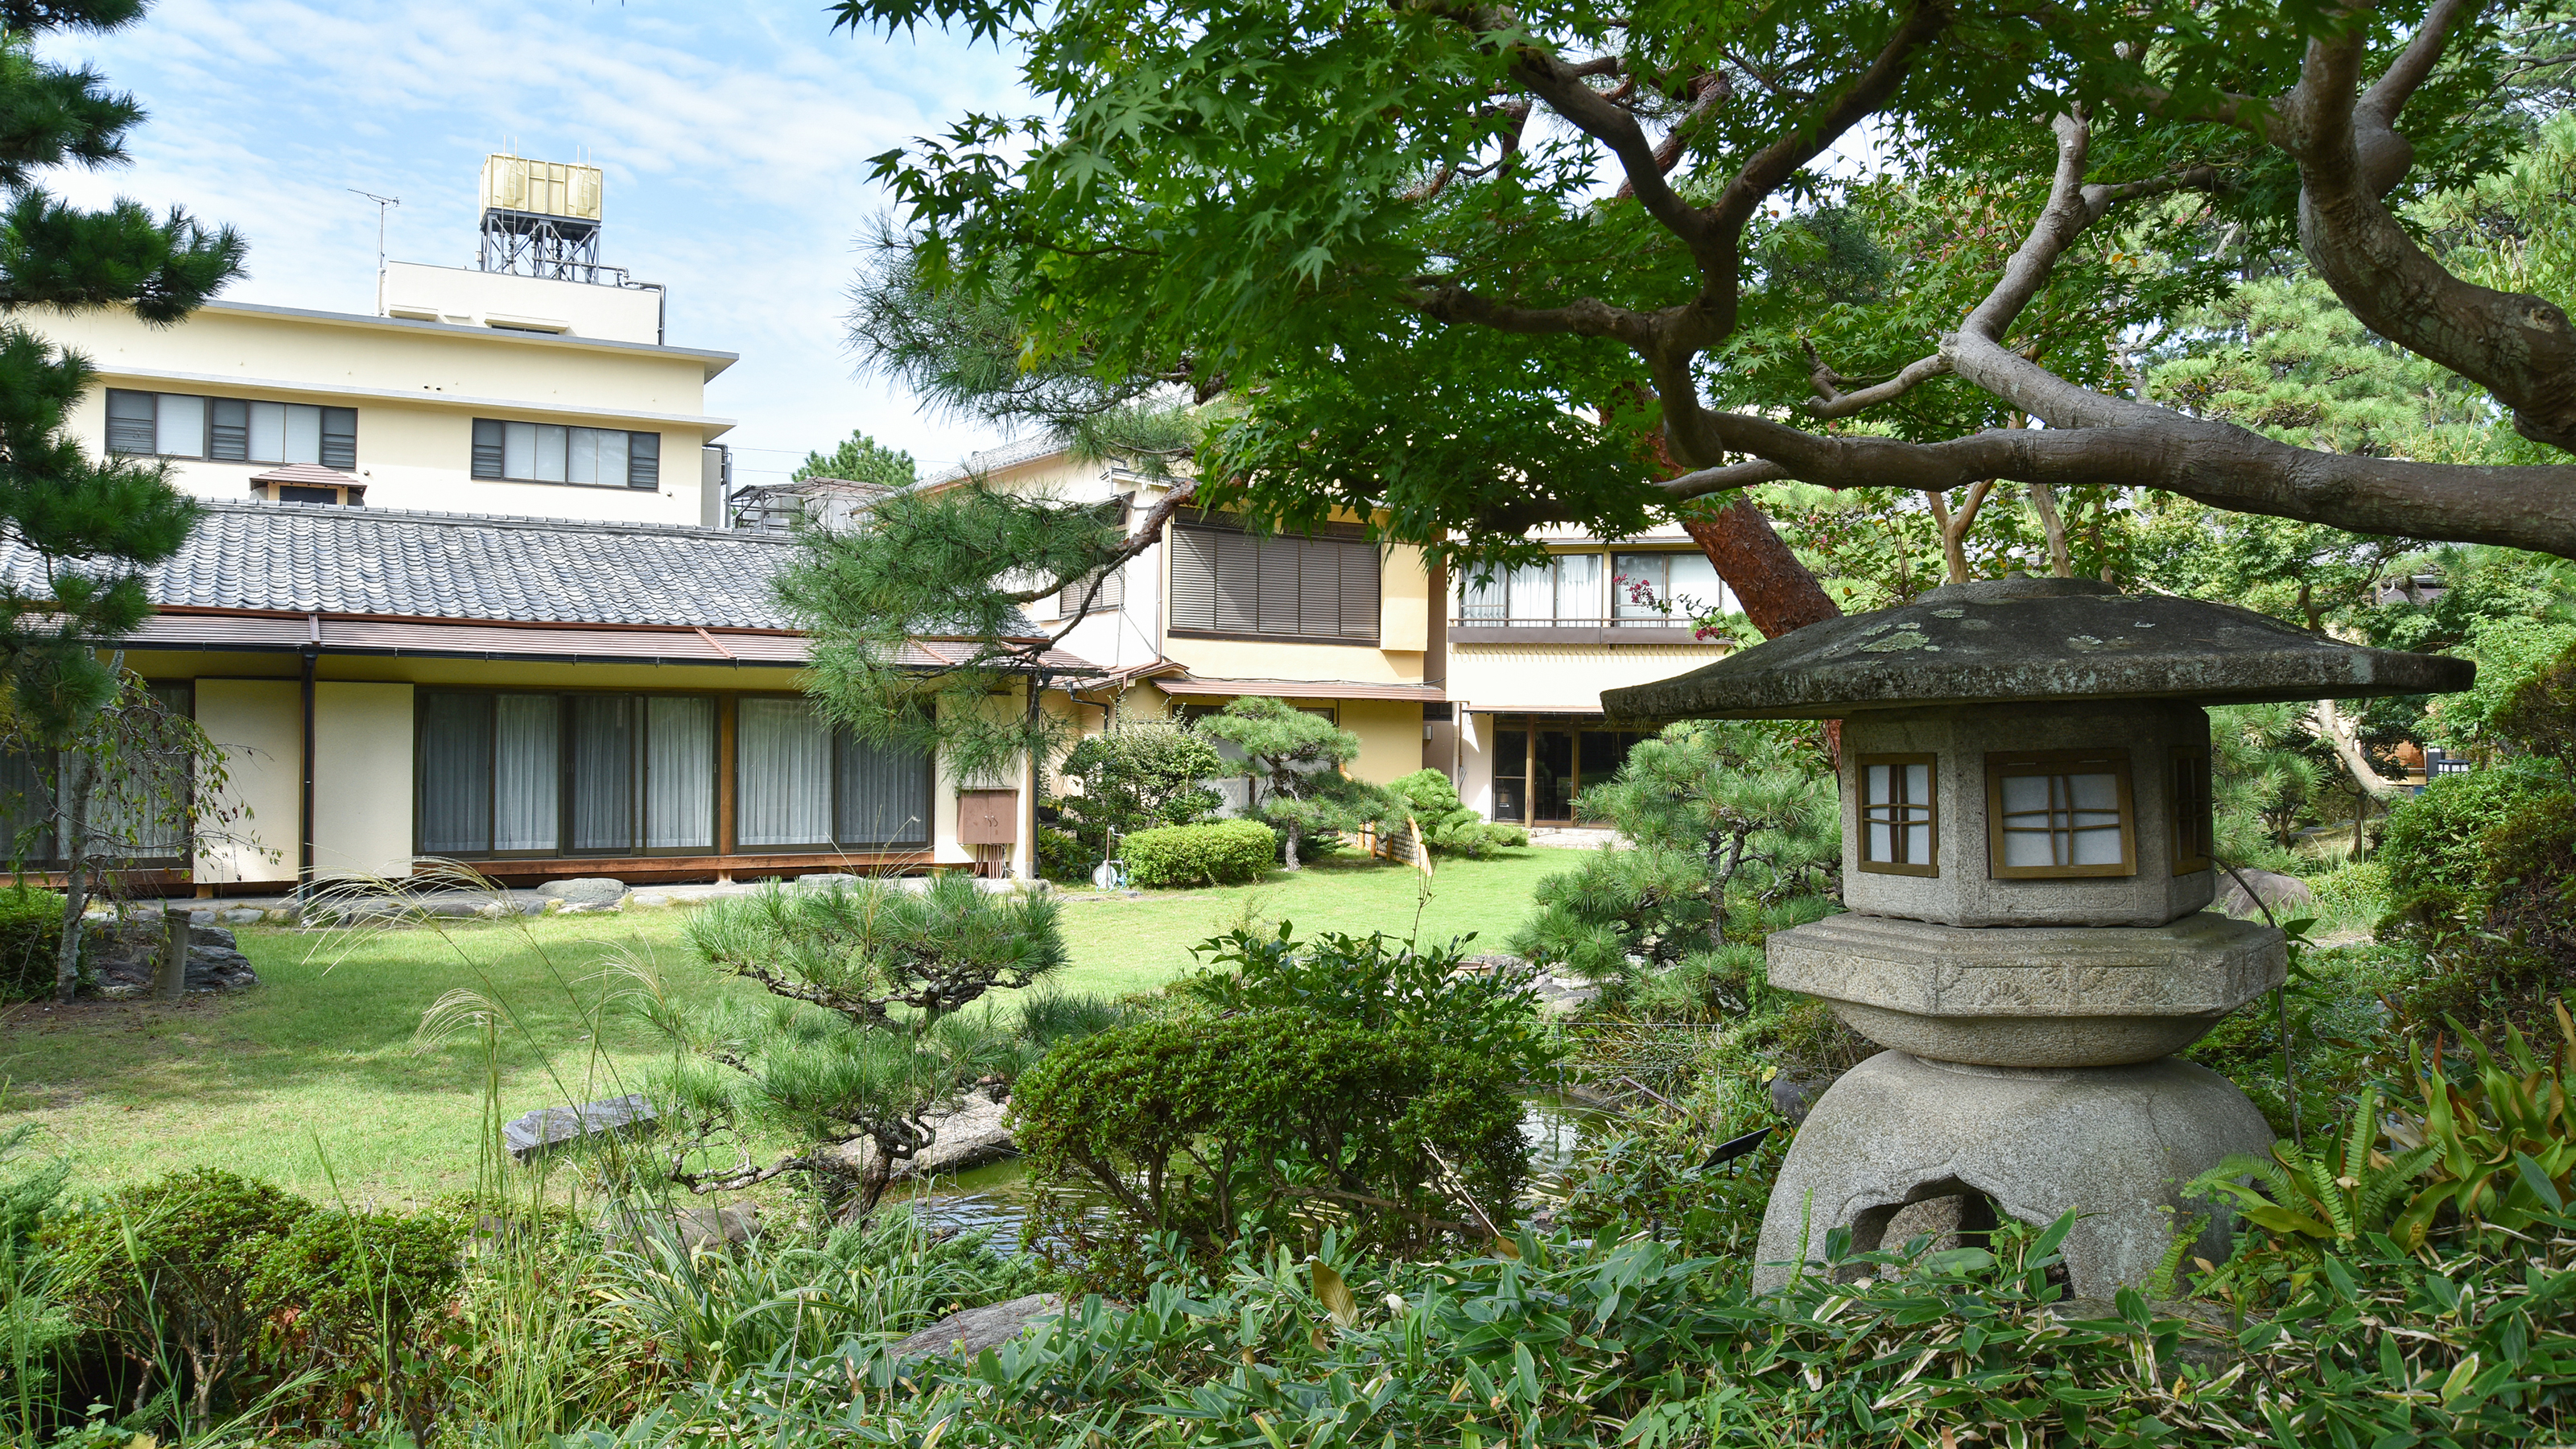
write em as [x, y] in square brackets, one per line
[2033, 996]
[2114, 1144]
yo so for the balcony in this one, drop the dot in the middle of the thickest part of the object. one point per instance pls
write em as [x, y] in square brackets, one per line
[1654, 629]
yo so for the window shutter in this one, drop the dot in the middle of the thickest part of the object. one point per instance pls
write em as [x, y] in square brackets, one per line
[487, 448]
[228, 435]
[1238, 578]
[1359, 580]
[1319, 587]
[643, 460]
[130, 422]
[340, 438]
[1193, 578]
[1279, 566]
[1111, 593]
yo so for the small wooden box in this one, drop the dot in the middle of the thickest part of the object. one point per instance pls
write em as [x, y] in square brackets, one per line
[988, 817]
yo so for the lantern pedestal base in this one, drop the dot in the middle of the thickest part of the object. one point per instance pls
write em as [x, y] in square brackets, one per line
[2114, 1144]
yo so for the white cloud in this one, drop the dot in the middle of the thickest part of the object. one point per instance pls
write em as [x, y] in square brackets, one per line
[735, 141]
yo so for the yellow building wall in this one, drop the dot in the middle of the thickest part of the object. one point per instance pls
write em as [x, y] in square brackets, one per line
[259, 725]
[1403, 600]
[1555, 679]
[362, 779]
[417, 390]
[1268, 659]
[1390, 732]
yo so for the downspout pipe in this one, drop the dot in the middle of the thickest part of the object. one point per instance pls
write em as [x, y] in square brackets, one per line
[1037, 763]
[311, 652]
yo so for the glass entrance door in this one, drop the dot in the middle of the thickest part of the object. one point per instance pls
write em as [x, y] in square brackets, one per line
[1552, 776]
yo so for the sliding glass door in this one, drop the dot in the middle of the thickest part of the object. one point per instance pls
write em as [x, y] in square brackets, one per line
[525, 774]
[803, 784]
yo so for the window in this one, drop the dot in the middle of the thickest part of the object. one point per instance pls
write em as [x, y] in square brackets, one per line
[1666, 588]
[566, 774]
[136, 817]
[1111, 593]
[1542, 764]
[555, 453]
[1564, 590]
[2059, 813]
[230, 429]
[2191, 827]
[803, 784]
[1900, 832]
[1320, 588]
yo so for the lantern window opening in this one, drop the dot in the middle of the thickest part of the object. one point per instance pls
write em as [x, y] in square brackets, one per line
[2193, 847]
[1899, 819]
[2060, 814]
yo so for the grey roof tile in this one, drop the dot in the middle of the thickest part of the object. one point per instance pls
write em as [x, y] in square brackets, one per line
[309, 558]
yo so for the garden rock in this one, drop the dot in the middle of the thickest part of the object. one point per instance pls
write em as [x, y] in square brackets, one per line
[825, 881]
[2273, 889]
[551, 1127]
[125, 956]
[969, 1333]
[649, 900]
[593, 891]
[695, 1228]
[240, 916]
[970, 1134]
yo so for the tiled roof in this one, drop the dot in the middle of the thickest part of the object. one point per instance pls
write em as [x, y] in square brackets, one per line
[1002, 455]
[310, 473]
[313, 558]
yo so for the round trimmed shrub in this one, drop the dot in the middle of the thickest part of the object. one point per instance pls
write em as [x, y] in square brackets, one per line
[1221, 852]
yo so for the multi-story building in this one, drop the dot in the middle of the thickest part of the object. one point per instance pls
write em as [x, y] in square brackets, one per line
[466, 391]
[451, 598]
[1496, 683]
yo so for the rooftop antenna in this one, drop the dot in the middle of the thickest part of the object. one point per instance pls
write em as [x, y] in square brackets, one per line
[382, 202]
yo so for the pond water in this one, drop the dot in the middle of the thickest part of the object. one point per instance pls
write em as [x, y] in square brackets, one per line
[995, 1198]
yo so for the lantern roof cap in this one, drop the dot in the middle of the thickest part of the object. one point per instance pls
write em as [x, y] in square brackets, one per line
[2034, 640]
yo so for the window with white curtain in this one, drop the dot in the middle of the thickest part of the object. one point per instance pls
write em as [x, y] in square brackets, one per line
[138, 810]
[1671, 588]
[230, 429]
[1564, 590]
[559, 453]
[518, 773]
[803, 784]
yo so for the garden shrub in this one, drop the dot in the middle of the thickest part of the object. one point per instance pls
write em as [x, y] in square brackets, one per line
[2432, 848]
[1559, 1343]
[1063, 858]
[31, 939]
[168, 1272]
[1378, 982]
[1448, 826]
[1238, 1128]
[1221, 852]
[359, 1301]
[1142, 775]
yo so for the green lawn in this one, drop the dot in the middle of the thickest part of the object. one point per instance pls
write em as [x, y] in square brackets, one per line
[320, 1064]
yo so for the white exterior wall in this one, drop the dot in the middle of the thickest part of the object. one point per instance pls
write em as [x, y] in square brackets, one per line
[496, 299]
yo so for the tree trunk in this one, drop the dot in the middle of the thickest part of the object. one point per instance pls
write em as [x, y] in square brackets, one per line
[2061, 559]
[2341, 735]
[75, 837]
[1776, 591]
[1295, 830]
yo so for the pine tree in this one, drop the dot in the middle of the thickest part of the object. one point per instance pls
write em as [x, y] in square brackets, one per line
[94, 525]
[861, 459]
[97, 525]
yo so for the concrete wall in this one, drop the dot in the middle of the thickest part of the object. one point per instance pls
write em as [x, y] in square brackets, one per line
[483, 299]
[1390, 732]
[418, 388]
[1404, 601]
[259, 724]
[362, 778]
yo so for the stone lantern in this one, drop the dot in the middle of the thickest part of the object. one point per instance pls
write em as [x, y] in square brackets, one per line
[2026, 859]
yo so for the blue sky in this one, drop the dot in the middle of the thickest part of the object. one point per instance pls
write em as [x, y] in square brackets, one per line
[735, 139]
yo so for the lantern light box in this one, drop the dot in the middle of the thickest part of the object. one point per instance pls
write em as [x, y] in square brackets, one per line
[2027, 867]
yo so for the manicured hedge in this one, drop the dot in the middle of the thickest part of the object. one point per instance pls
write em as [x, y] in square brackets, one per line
[1221, 852]
[31, 937]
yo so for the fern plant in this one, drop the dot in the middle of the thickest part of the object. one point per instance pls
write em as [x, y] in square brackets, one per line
[2308, 1201]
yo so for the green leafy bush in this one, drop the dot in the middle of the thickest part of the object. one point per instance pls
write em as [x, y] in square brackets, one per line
[1558, 1344]
[1063, 858]
[1268, 1124]
[357, 1301]
[2432, 848]
[1142, 775]
[1447, 825]
[168, 1272]
[31, 938]
[1378, 982]
[1221, 852]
